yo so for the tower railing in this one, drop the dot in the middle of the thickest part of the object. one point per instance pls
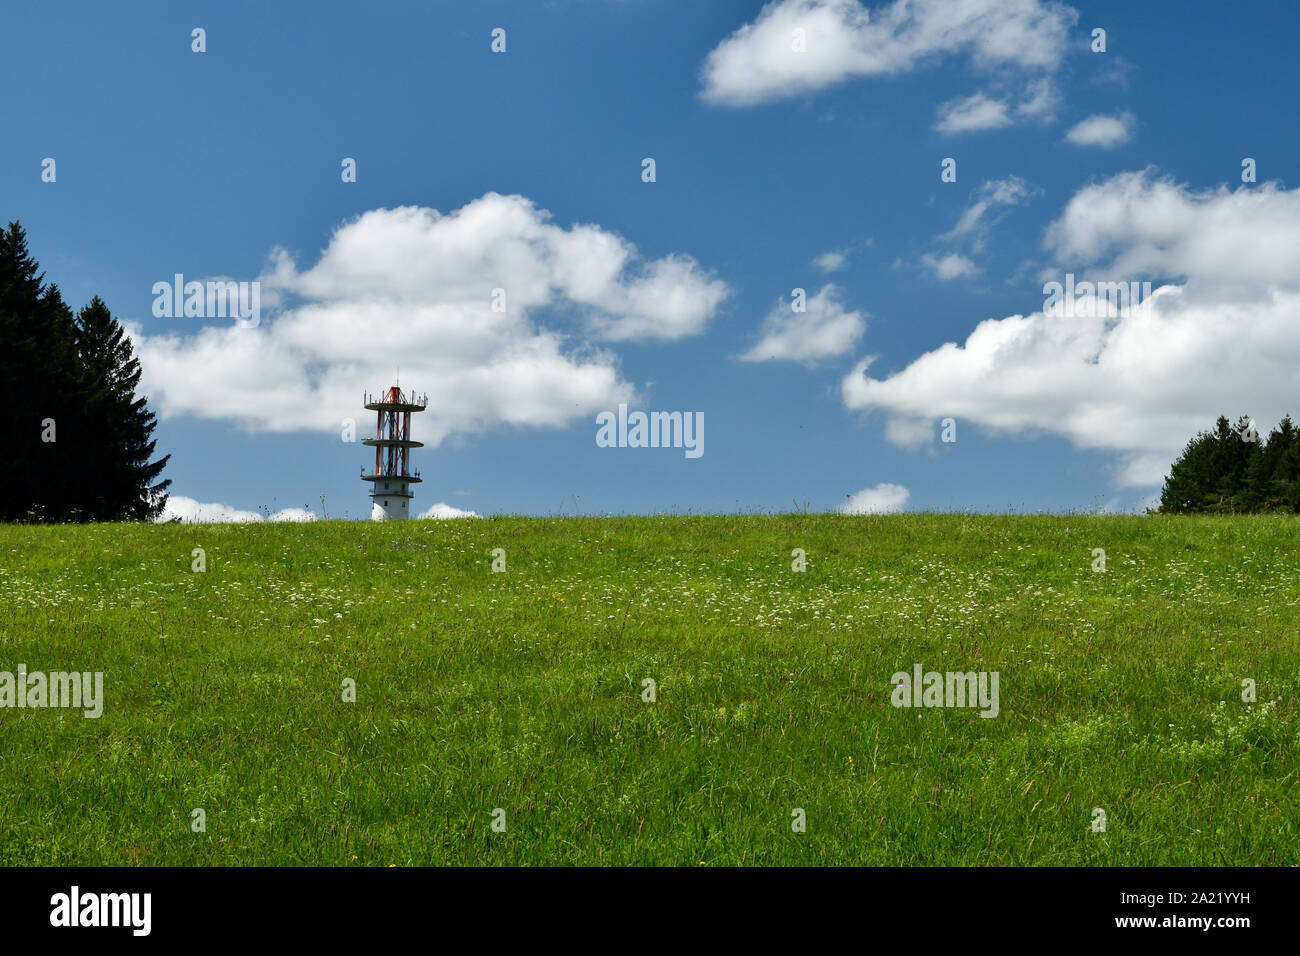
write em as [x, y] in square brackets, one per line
[395, 477]
[419, 401]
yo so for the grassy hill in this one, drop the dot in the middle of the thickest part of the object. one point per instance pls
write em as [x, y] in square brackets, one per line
[523, 690]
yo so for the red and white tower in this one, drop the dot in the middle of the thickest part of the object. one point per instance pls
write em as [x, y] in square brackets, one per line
[390, 488]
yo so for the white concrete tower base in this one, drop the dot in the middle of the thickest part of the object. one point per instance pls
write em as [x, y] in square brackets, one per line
[390, 501]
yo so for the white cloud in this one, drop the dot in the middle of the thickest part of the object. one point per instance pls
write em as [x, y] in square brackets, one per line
[835, 259]
[1105, 132]
[292, 514]
[824, 330]
[1141, 223]
[980, 111]
[189, 511]
[1041, 101]
[979, 215]
[442, 510]
[1140, 384]
[883, 499]
[973, 113]
[831, 261]
[951, 266]
[1114, 72]
[844, 39]
[411, 288]
[973, 226]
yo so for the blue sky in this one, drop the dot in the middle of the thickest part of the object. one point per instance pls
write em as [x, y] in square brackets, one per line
[675, 295]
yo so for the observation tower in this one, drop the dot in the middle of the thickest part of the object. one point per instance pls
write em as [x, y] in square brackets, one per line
[390, 485]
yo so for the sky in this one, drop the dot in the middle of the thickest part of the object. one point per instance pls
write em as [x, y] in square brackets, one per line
[840, 259]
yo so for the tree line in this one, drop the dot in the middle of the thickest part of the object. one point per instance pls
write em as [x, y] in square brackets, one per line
[1234, 470]
[77, 441]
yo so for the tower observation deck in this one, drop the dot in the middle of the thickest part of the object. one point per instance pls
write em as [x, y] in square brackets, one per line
[390, 483]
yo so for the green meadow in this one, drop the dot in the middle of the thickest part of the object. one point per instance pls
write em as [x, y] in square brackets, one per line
[501, 717]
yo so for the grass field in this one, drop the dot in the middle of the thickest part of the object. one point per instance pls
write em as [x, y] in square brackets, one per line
[523, 691]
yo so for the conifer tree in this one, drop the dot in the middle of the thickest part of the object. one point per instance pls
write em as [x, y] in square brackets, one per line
[1234, 470]
[1190, 482]
[76, 440]
[119, 425]
[38, 374]
[1269, 475]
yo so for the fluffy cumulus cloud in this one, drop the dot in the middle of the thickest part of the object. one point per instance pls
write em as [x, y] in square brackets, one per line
[823, 330]
[415, 289]
[189, 511]
[883, 499]
[831, 261]
[950, 266]
[984, 110]
[967, 114]
[844, 39]
[1104, 132]
[442, 511]
[1219, 335]
[292, 514]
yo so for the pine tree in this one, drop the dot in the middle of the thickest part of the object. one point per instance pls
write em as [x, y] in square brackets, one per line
[1231, 470]
[76, 440]
[119, 425]
[1240, 451]
[1287, 477]
[1191, 478]
[1269, 475]
[38, 371]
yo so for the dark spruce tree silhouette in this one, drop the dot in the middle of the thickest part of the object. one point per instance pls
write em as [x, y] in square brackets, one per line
[118, 426]
[38, 373]
[1235, 470]
[76, 440]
